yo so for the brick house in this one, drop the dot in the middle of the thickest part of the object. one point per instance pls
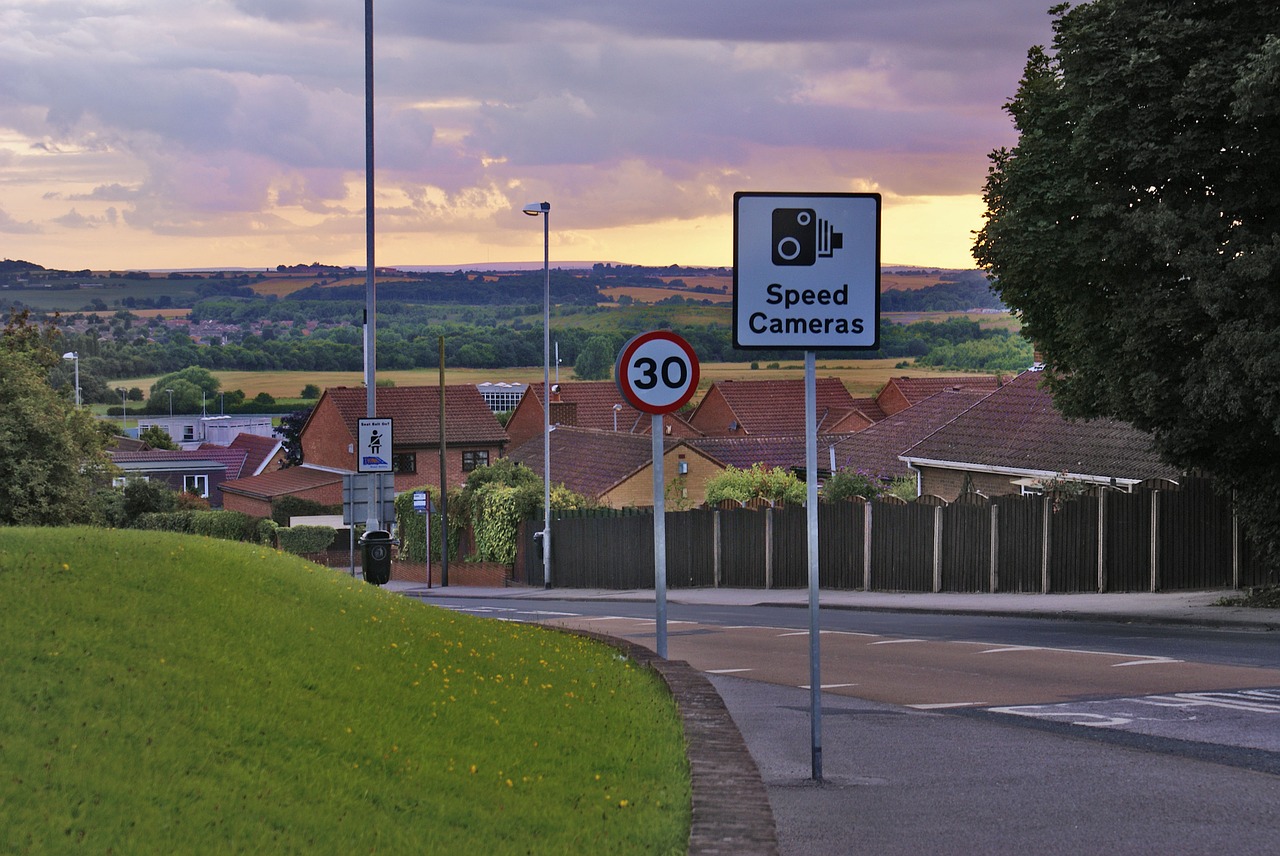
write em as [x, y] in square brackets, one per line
[616, 468]
[738, 408]
[1014, 437]
[900, 393]
[592, 404]
[201, 472]
[473, 438]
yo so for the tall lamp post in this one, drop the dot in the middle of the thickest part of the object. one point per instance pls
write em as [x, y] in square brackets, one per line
[170, 406]
[123, 392]
[543, 209]
[75, 357]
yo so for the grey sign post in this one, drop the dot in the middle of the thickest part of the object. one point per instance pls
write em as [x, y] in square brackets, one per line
[806, 276]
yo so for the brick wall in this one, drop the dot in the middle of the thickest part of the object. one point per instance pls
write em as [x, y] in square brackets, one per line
[947, 483]
[714, 415]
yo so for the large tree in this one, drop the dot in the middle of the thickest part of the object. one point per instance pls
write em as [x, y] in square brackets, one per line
[51, 452]
[1135, 228]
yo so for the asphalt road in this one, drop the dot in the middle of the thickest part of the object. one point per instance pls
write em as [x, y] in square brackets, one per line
[967, 734]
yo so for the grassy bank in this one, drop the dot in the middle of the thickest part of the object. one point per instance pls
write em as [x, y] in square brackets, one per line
[165, 694]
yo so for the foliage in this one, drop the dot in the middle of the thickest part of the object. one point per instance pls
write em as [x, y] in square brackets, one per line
[142, 496]
[192, 388]
[284, 508]
[157, 438]
[776, 485]
[224, 525]
[596, 360]
[847, 483]
[51, 453]
[904, 488]
[1259, 597]
[1133, 229]
[290, 433]
[305, 539]
[330, 715]
[412, 527]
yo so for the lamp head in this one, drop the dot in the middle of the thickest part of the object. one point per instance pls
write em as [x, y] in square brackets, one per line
[533, 209]
[71, 355]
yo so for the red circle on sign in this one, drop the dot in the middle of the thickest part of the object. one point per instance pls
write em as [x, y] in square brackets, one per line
[657, 372]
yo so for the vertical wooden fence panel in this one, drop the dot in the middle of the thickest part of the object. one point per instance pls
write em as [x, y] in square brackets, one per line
[1195, 531]
[840, 547]
[902, 547]
[790, 547]
[1073, 545]
[742, 548]
[1126, 547]
[966, 544]
[690, 548]
[1020, 543]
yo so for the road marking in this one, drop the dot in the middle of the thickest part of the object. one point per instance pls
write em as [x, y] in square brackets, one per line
[1012, 648]
[828, 686]
[727, 671]
[945, 705]
[1148, 661]
[897, 641]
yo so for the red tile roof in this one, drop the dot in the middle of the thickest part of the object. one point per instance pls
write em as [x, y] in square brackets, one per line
[276, 483]
[875, 449]
[416, 413]
[259, 450]
[232, 459]
[916, 389]
[743, 452]
[589, 462]
[594, 401]
[1016, 429]
[776, 407]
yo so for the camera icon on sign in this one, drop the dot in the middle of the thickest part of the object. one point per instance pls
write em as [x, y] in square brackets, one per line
[801, 237]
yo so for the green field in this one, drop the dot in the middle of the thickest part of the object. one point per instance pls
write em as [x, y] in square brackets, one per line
[164, 694]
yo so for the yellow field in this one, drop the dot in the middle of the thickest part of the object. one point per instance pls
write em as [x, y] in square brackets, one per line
[862, 377]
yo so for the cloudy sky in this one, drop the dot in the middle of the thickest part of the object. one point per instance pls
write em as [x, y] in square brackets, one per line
[203, 133]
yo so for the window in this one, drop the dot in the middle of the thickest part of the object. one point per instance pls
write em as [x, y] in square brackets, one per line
[471, 460]
[199, 485]
[188, 433]
[404, 462]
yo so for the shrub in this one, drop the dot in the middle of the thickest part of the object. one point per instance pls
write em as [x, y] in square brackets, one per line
[846, 483]
[775, 485]
[413, 531]
[305, 539]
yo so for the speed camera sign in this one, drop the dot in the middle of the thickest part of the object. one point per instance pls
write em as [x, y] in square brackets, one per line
[657, 372]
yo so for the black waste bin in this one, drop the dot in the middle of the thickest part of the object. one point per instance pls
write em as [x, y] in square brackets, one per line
[375, 556]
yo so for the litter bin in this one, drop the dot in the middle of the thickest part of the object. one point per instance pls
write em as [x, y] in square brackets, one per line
[375, 556]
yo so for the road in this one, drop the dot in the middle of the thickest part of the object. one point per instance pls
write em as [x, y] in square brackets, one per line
[941, 732]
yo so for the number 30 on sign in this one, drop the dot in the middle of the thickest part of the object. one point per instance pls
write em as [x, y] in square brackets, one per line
[657, 372]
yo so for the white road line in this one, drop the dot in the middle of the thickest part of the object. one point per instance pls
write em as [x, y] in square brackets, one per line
[727, 671]
[1150, 661]
[945, 705]
[898, 641]
[1012, 648]
[829, 686]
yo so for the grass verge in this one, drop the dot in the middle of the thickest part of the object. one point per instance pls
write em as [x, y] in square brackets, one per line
[1261, 597]
[163, 693]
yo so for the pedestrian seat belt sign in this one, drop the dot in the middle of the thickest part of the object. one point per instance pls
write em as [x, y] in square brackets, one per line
[374, 452]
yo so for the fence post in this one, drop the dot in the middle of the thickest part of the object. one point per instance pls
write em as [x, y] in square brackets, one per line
[1155, 538]
[715, 546]
[1044, 546]
[866, 546]
[995, 548]
[768, 548]
[937, 548]
[1102, 541]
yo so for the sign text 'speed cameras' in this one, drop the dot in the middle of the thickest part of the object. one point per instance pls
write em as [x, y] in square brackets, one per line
[800, 237]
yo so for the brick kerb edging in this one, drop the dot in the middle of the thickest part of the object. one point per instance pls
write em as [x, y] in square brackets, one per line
[731, 812]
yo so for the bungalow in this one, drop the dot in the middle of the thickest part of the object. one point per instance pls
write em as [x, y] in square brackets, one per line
[201, 472]
[1014, 437]
[738, 408]
[616, 468]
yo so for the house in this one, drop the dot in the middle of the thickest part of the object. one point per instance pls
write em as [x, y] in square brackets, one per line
[201, 472]
[254, 495]
[875, 450]
[615, 468]
[473, 437]
[262, 453]
[596, 405]
[768, 451]
[1014, 437]
[738, 408]
[899, 393]
[189, 432]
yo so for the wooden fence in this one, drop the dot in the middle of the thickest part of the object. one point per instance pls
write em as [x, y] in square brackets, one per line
[1160, 537]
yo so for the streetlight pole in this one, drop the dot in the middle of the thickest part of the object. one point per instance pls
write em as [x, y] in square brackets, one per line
[74, 356]
[123, 392]
[170, 406]
[543, 209]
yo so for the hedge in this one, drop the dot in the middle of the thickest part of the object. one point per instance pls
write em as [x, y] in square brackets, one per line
[305, 539]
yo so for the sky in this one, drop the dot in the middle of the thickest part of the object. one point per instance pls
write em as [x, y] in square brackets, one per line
[162, 134]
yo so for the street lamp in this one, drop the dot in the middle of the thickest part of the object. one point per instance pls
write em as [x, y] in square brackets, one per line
[170, 406]
[617, 408]
[123, 392]
[75, 355]
[543, 209]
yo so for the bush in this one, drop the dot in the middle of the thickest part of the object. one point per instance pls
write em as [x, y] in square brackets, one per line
[776, 485]
[846, 483]
[224, 525]
[413, 532]
[142, 497]
[305, 539]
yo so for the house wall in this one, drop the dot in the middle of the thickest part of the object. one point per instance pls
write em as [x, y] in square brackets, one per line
[713, 416]
[891, 399]
[638, 490]
[326, 442]
[328, 494]
[946, 483]
[428, 465]
[525, 422]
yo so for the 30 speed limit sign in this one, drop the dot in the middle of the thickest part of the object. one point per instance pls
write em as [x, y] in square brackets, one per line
[657, 372]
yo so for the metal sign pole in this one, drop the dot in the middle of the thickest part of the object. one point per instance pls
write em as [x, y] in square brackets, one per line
[811, 507]
[659, 535]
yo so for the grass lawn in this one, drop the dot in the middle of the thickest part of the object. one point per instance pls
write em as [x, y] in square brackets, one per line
[169, 694]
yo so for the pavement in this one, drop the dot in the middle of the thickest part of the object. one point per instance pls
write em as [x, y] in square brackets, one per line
[898, 780]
